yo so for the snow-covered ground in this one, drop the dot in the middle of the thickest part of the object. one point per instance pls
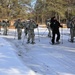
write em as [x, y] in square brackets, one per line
[42, 57]
[10, 63]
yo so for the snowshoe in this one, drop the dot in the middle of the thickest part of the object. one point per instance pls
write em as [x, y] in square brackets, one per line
[57, 42]
[70, 40]
[54, 43]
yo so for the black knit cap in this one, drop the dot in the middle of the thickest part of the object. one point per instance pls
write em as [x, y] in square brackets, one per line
[52, 19]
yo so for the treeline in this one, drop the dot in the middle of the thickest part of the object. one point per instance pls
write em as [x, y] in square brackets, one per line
[62, 9]
[10, 9]
[43, 9]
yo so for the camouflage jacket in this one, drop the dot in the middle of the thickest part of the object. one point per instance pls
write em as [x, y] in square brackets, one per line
[32, 25]
[18, 24]
[5, 24]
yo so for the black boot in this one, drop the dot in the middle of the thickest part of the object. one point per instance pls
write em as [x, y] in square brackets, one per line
[32, 42]
[28, 41]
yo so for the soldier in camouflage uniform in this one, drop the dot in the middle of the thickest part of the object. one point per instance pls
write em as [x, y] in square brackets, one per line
[48, 27]
[18, 25]
[71, 25]
[25, 23]
[31, 26]
[5, 25]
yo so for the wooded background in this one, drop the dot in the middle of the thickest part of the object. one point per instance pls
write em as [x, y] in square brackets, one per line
[42, 10]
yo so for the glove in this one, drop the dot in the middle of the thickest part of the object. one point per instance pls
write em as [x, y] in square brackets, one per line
[37, 25]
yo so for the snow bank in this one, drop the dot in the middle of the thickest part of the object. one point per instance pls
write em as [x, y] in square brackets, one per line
[10, 63]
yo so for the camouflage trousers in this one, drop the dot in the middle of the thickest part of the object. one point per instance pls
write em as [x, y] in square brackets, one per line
[25, 31]
[31, 36]
[72, 33]
[19, 31]
[5, 31]
[49, 32]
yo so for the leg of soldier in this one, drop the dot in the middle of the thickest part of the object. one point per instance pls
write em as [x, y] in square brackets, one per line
[25, 31]
[29, 35]
[53, 37]
[58, 37]
[49, 34]
[5, 31]
[72, 35]
[32, 39]
[19, 31]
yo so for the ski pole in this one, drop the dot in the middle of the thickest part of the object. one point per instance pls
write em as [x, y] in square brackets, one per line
[44, 32]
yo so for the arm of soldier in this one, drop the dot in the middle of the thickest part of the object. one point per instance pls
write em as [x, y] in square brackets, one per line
[2, 24]
[15, 24]
[35, 24]
[61, 26]
[22, 25]
[8, 24]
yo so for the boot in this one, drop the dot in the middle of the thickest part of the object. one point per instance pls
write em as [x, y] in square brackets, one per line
[32, 42]
[28, 41]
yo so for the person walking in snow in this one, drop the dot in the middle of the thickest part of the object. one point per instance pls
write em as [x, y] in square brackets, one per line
[31, 26]
[55, 30]
[25, 24]
[71, 25]
[48, 27]
[5, 25]
[18, 25]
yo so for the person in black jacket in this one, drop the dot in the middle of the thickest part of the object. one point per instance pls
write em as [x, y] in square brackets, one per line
[55, 30]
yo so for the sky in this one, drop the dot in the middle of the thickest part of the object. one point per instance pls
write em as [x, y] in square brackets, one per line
[33, 3]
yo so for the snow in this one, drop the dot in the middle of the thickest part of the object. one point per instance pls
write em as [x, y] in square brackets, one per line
[9, 62]
[41, 58]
